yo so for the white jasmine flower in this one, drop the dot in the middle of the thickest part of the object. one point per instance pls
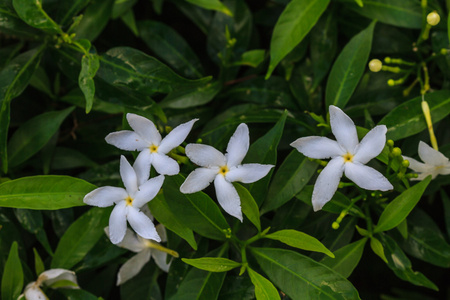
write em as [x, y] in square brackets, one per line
[147, 139]
[57, 278]
[128, 203]
[223, 169]
[347, 156]
[435, 163]
[145, 249]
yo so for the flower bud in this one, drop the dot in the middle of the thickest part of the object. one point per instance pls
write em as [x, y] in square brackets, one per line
[444, 51]
[335, 225]
[390, 143]
[375, 65]
[396, 151]
[405, 163]
[391, 82]
[433, 18]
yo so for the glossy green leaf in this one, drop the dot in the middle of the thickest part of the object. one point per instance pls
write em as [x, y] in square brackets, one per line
[32, 13]
[346, 258]
[121, 7]
[401, 265]
[295, 22]
[41, 82]
[264, 289]
[212, 264]
[69, 9]
[191, 97]
[162, 213]
[10, 23]
[12, 280]
[34, 134]
[44, 192]
[377, 248]
[252, 58]
[89, 67]
[78, 294]
[299, 240]
[167, 44]
[300, 277]
[248, 205]
[213, 5]
[264, 151]
[401, 206]
[293, 174]
[80, 237]
[195, 211]
[407, 118]
[348, 68]
[14, 78]
[38, 263]
[32, 221]
[131, 68]
[95, 19]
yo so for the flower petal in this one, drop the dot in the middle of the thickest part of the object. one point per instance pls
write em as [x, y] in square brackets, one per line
[430, 156]
[142, 224]
[415, 165]
[228, 197]
[248, 173]
[161, 230]
[128, 176]
[130, 241]
[343, 129]
[118, 223]
[367, 177]
[148, 191]
[327, 183]
[133, 266]
[33, 292]
[198, 179]
[176, 137]
[160, 260]
[105, 196]
[371, 145]
[238, 146]
[318, 147]
[205, 155]
[142, 166]
[126, 140]
[51, 276]
[165, 165]
[144, 128]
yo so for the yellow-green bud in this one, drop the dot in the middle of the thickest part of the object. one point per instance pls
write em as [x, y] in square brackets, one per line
[391, 82]
[433, 18]
[335, 225]
[387, 60]
[444, 51]
[405, 163]
[396, 151]
[375, 65]
[390, 143]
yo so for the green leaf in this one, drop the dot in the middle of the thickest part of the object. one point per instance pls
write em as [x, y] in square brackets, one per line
[346, 258]
[212, 264]
[44, 192]
[248, 205]
[38, 263]
[34, 134]
[162, 213]
[69, 9]
[401, 206]
[32, 221]
[264, 289]
[191, 97]
[252, 58]
[300, 277]
[295, 22]
[446, 204]
[14, 79]
[89, 67]
[11, 24]
[264, 151]
[195, 211]
[130, 21]
[167, 44]
[407, 118]
[77, 294]
[32, 13]
[348, 68]
[121, 7]
[95, 18]
[299, 240]
[377, 248]
[80, 237]
[212, 5]
[293, 174]
[12, 281]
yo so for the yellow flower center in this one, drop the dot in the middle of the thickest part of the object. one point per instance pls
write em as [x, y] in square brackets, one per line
[348, 157]
[129, 201]
[223, 170]
[153, 148]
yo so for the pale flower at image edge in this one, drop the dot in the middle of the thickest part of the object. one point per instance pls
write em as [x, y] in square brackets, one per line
[435, 163]
[348, 157]
[48, 278]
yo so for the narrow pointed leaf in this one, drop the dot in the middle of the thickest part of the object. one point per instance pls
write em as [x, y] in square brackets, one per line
[95, 18]
[89, 67]
[212, 264]
[248, 205]
[12, 280]
[264, 289]
[32, 13]
[212, 5]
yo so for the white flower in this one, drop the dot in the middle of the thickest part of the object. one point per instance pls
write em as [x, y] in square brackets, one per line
[347, 156]
[223, 169]
[147, 139]
[435, 163]
[128, 203]
[50, 278]
[145, 249]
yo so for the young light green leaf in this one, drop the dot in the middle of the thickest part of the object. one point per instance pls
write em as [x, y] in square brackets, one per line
[38, 263]
[80, 237]
[34, 134]
[264, 289]
[346, 258]
[301, 277]
[32, 13]
[89, 67]
[299, 240]
[212, 264]
[44, 192]
[377, 248]
[295, 22]
[212, 5]
[248, 205]
[252, 58]
[401, 206]
[348, 68]
[12, 280]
